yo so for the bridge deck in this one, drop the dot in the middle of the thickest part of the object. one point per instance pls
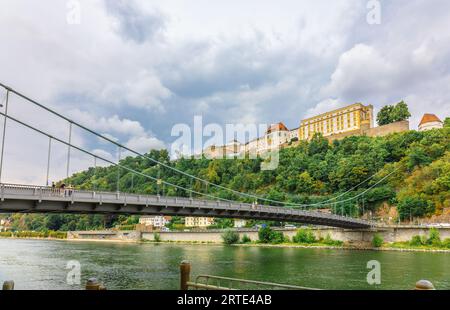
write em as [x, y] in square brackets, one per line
[38, 199]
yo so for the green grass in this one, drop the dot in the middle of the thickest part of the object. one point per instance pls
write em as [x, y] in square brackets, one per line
[408, 245]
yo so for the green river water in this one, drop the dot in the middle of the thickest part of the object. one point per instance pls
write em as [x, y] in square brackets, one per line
[41, 264]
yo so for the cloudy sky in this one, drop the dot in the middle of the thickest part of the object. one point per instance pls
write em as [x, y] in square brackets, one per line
[133, 69]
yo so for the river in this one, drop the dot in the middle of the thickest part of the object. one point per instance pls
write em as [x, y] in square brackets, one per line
[41, 264]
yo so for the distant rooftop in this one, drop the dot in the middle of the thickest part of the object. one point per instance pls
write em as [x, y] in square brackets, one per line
[429, 118]
[277, 127]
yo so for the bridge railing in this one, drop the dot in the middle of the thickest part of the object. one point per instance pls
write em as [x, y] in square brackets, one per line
[69, 194]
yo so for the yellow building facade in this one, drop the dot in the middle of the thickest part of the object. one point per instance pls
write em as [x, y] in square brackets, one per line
[350, 118]
[192, 221]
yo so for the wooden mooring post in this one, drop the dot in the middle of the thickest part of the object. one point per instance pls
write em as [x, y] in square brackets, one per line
[8, 285]
[185, 275]
[424, 285]
[93, 284]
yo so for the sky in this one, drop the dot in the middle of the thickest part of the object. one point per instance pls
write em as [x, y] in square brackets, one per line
[133, 69]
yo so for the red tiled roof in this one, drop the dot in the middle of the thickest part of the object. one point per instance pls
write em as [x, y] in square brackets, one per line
[428, 118]
[277, 127]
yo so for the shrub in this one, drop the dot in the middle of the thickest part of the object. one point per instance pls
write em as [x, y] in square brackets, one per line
[277, 237]
[156, 237]
[57, 234]
[446, 243]
[304, 236]
[267, 235]
[126, 227]
[230, 237]
[377, 241]
[5, 234]
[434, 237]
[329, 241]
[246, 239]
[416, 241]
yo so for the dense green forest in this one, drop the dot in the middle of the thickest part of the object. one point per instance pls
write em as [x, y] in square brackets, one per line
[410, 170]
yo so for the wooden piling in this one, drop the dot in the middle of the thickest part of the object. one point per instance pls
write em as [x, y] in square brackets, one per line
[8, 285]
[93, 284]
[185, 274]
[424, 285]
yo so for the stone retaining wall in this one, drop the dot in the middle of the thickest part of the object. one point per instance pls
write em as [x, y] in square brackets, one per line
[389, 234]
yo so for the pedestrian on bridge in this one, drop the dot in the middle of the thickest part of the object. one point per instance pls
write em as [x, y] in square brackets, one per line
[70, 189]
[53, 188]
[62, 189]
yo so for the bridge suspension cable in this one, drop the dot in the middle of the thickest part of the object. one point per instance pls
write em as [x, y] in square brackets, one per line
[118, 165]
[253, 196]
[111, 162]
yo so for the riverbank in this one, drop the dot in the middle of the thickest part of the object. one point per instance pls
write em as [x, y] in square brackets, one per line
[386, 247]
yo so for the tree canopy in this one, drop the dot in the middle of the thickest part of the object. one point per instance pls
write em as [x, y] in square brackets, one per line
[393, 113]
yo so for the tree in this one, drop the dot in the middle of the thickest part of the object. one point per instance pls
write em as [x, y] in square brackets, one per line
[390, 114]
[400, 112]
[384, 117]
[414, 206]
[447, 122]
[305, 183]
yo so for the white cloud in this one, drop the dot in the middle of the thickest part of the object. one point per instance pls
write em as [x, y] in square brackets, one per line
[144, 144]
[145, 91]
[324, 106]
[361, 71]
[102, 154]
[111, 124]
[135, 68]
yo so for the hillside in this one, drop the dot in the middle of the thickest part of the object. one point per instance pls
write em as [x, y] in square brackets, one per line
[411, 171]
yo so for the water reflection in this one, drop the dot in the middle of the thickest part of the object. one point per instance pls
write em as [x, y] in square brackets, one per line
[35, 264]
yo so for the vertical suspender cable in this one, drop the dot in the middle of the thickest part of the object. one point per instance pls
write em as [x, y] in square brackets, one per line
[118, 170]
[4, 133]
[158, 182]
[48, 158]
[95, 174]
[362, 199]
[68, 149]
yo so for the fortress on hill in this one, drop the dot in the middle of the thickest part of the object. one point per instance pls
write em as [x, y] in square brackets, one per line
[352, 120]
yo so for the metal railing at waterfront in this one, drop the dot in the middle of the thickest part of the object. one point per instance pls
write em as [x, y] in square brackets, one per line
[210, 282]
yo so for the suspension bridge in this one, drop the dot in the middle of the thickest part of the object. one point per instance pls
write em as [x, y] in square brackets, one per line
[27, 198]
